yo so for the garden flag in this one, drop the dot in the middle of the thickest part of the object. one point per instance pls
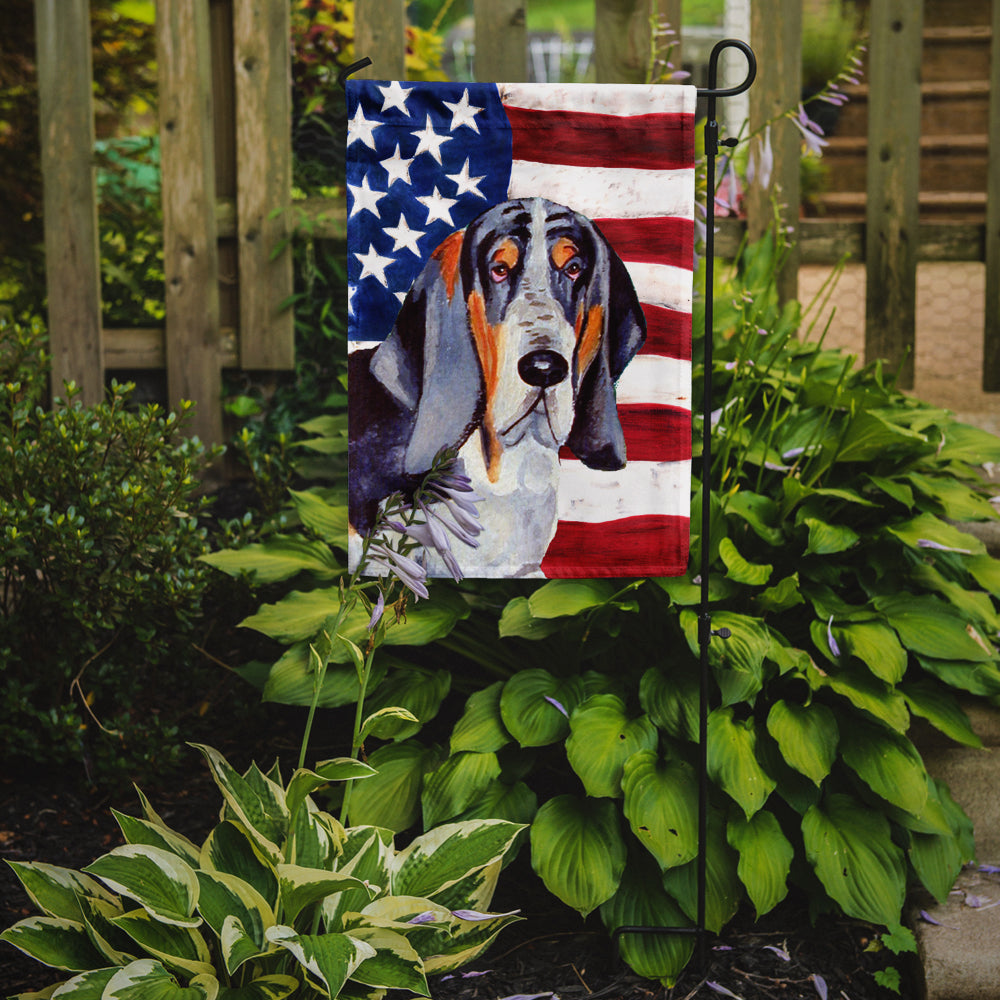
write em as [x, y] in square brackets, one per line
[520, 279]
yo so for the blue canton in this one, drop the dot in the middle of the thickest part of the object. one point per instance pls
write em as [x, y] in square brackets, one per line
[422, 161]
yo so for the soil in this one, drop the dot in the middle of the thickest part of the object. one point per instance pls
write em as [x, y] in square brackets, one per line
[551, 952]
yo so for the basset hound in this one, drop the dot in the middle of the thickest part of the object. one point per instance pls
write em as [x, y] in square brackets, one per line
[507, 346]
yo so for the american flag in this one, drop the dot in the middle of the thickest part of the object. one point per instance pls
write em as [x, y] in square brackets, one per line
[426, 159]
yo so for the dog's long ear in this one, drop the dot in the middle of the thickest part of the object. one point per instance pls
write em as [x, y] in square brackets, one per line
[428, 362]
[596, 437]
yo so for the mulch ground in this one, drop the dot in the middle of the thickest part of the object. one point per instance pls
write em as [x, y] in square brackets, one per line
[550, 953]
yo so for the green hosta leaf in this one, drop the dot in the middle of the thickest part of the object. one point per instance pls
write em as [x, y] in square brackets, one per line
[765, 858]
[976, 678]
[54, 941]
[141, 831]
[937, 859]
[292, 680]
[225, 897]
[738, 661]
[732, 760]
[517, 620]
[783, 595]
[893, 488]
[671, 700]
[876, 646]
[159, 881]
[965, 443]
[415, 689]
[530, 706]
[327, 520]
[301, 887]
[331, 959]
[986, 571]
[957, 501]
[684, 593]
[260, 809]
[391, 798]
[888, 763]
[723, 889]
[932, 628]
[976, 605]
[941, 709]
[870, 435]
[807, 736]
[516, 803]
[274, 987]
[147, 979]
[481, 728]
[443, 856]
[865, 692]
[850, 847]
[279, 558]
[641, 901]
[751, 574]
[395, 964]
[56, 891]
[230, 849]
[602, 738]
[559, 598]
[758, 511]
[456, 784]
[180, 948]
[578, 851]
[661, 798]
[928, 528]
[827, 539]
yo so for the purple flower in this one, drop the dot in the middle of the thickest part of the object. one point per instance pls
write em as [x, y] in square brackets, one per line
[820, 983]
[475, 915]
[558, 705]
[427, 917]
[834, 648]
[377, 612]
[761, 164]
[811, 132]
[410, 573]
[780, 952]
[719, 988]
[927, 543]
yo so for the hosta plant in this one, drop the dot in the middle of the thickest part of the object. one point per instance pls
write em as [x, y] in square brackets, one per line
[279, 900]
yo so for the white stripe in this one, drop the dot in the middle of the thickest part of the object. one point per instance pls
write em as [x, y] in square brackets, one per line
[601, 98]
[606, 192]
[661, 285]
[640, 488]
[655, 380]
[363, 345]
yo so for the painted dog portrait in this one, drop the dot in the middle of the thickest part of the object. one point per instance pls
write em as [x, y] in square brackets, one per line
[507, 347]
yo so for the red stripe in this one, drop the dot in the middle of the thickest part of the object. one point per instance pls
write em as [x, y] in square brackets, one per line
[583, 139]
[668, 332]
[650, 545]
[656, 240]
[652, 433]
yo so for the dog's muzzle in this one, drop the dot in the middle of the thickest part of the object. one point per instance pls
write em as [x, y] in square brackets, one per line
[542, 368]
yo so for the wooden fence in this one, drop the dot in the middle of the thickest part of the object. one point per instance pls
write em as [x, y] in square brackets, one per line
[226, 160]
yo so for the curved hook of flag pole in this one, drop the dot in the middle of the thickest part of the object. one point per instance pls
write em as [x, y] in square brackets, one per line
[352, 68]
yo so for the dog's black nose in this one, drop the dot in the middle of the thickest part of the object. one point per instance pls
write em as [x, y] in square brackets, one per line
[542, 368]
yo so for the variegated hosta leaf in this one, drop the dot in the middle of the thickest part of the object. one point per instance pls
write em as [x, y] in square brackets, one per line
[476, 890]
[329, 959]
[54, 941]
[661, 799]
[456, 784]
[642, 902]
[275, 987]
[732, 760]
[116, 947]
[177, 947]
[315, 838]
[441, 857]
[225, 897]
[395, 964]
[256, 801]
[888, 763]
[367, 853]
[481, 727]
[147, 979]
[87, 986]
[602, 737]
[300, 887]
[765, 858]
[807, 736]
[535, 706]
[230, 849]
[468, 939]
[578, 851]
[141, 831]
[158, 880]
[56, 891]
[304, 782]
[850, 847]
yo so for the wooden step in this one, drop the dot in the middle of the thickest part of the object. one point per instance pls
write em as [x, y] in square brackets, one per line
[956, 53]
[946, 104]
[940, 13]
[957, 206]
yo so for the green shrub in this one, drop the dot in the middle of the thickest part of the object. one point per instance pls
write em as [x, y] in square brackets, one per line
[99, 541]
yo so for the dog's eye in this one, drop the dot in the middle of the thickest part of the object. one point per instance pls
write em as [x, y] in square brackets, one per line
[573, 269]
[499, 271]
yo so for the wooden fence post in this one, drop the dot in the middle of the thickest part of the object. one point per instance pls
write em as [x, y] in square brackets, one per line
[190, 251]
[72, 255]
[893, 183]
[380, 34]
[262, 60]
[991, 333]
[622, 40]
[776, 34]
[501, 41]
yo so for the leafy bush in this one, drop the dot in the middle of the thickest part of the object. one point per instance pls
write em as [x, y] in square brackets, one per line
[279, 899]
[854, 603]
[99, 539]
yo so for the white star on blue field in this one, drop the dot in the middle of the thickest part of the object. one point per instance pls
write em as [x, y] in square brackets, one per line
[422, 161]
